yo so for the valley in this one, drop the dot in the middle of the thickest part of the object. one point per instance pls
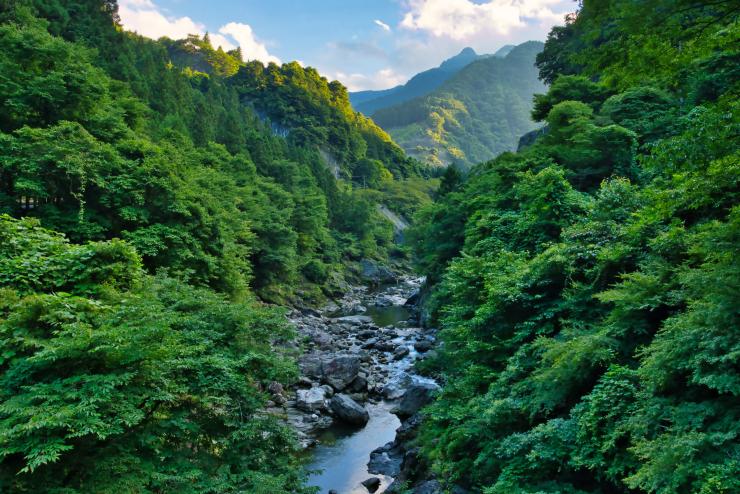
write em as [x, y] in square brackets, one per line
[515, 273]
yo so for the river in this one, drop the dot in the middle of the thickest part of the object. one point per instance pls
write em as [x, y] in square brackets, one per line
[339, 458]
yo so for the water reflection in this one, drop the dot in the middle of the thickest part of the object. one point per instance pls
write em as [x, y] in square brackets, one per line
[344, 452]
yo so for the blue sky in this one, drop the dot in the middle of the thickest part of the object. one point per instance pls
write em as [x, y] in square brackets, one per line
[366, 44]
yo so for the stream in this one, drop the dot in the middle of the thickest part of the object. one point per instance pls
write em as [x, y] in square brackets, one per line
[362, 347]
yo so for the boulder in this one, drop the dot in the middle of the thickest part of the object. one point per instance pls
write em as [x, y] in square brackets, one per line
[386, 460]
[416, 396]
[400, 352]
[349, 410]
[355, 320]
[310, 400]
[376, 273]
[339, 370]
[372, 484]
[422, 346]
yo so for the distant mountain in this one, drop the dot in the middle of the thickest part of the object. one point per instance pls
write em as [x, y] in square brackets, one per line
[421, 84]
[476, 114]
[504, 50]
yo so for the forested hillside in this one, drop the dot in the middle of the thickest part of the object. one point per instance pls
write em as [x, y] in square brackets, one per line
[423, 83]
[167, 190]
[588, 287]
[476, 114]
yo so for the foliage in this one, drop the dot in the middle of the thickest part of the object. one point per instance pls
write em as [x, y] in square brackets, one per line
[111, 380]
[587, 286]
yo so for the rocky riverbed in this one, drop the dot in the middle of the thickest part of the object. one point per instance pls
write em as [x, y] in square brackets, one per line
[357, 387]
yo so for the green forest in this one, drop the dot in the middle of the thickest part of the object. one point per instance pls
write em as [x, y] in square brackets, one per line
[167, 191]
[588, 286]
[164, 203]
[476, 114]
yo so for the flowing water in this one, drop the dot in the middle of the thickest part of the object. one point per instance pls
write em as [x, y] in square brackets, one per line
[343, 453]
[340, 460]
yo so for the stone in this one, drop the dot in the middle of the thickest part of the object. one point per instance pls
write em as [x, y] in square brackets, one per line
[416, 396]
[358, 385]
[340, 370]
[310, 400]
[413, 298]
[400, 352]
[348, 410]
[423, 346]
[310, 365]
[355, 320]
[386, 460]
[376, 273]
[372, 484]
[275, 388]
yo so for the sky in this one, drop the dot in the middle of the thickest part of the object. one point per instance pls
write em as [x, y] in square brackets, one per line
[365, 44]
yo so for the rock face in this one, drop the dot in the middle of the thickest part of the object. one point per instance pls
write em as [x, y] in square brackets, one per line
[416, 396]
[348, 410]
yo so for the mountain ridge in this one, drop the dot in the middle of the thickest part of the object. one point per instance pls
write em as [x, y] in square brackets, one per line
[423, 83]
[478, 113]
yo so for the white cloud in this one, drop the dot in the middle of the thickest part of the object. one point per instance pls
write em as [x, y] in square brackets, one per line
[144, 17]
[463, 19]
[385, 27]
[252, 49]
[382, 79]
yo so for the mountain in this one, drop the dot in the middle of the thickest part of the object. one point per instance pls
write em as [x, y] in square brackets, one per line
[479, 112]
[421, 84]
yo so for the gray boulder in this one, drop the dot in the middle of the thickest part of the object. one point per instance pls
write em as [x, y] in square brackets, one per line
[310, 400]
[348, 410]
[376, 273]
[386, 460]
[355, 320]
[340, 370]
[416, 396]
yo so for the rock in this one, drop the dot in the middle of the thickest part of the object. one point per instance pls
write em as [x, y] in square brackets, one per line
[322, 339]
[386, 460]
[340, 370]
[304, 382]
[275, 388]
[332, 491]
[310, 400]
[413, 298]
[416, 396]
[355, 320]
[358, 385]
[310, 365]
[372, 484]
[367, 333]
[376, 273]
[408, 428]
[400, 352]
[370, 343]
[422, 346]
[349, 410]
[428, 487]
